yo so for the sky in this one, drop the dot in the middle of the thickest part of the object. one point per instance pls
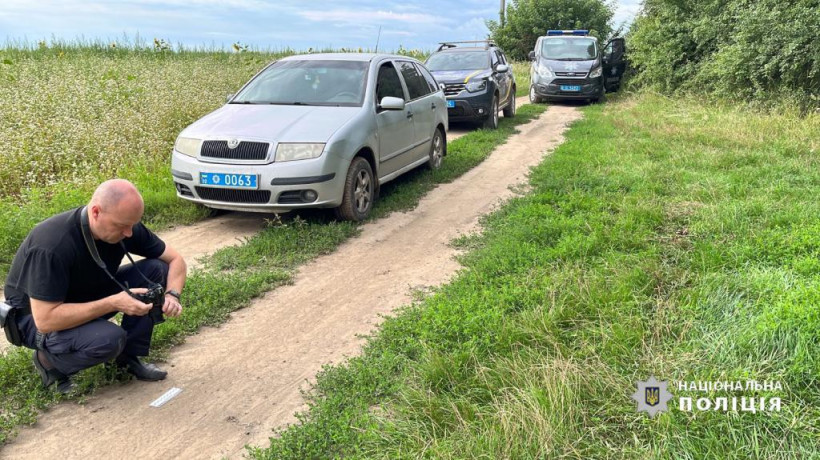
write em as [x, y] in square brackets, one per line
[260, 24]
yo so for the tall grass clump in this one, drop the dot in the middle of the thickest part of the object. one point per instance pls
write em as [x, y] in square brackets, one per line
[664, 237]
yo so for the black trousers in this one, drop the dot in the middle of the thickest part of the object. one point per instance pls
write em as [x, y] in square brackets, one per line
[100, 340]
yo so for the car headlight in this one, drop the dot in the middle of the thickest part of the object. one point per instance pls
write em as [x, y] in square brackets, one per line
[292, 152]
[596, 72]
[543, 70]
[474, 86]
[188, 146]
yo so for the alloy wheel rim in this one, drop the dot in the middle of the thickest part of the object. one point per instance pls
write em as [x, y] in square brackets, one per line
[362, 192]
[437, 150]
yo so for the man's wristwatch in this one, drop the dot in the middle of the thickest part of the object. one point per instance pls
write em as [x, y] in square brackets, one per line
[173, 293]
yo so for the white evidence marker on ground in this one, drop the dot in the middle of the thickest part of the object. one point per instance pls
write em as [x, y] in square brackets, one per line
[170, 394]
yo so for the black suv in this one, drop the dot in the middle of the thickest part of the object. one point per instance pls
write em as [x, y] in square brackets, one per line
[478, 81]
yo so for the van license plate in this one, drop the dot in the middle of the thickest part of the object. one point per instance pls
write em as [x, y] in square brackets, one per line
[570, 88]
[250, 181]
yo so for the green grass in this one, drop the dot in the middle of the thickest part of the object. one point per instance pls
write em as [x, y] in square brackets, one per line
[521, 71]
[664, 238]
[234, 275]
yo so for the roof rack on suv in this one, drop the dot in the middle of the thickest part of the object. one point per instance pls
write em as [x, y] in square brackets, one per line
[447, 45]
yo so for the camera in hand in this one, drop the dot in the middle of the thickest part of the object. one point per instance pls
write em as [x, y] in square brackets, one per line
[156, 297]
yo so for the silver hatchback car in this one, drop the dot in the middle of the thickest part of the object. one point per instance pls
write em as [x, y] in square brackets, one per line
[314, 131]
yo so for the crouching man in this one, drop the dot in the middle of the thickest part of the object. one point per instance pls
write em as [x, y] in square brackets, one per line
[64, 297]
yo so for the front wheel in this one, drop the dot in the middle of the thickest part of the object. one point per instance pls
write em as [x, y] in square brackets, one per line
[359, 190]
[534, 97]
[437, 150]
[509, 110]
[492, 121]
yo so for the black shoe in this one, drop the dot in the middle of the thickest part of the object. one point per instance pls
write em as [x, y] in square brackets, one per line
[51, 376]
[140, 370]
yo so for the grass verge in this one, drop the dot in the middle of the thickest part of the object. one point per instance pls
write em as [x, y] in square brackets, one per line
[665, 238]
[234, 275]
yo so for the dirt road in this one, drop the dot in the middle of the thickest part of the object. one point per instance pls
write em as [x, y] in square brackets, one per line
[242, 380]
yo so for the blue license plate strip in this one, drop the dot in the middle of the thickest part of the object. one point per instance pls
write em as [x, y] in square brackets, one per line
[248, 181]
[451, 104]
[575, 88]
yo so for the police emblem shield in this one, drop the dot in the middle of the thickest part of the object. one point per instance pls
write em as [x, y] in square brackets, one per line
[652, 396]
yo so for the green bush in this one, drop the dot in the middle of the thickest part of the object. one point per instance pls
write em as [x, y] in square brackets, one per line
[737, 49]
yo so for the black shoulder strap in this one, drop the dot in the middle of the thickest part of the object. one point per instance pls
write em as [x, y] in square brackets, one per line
[89, 239]
[92, 248]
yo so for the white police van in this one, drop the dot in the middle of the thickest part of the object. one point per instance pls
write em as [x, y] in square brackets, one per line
[570, 64]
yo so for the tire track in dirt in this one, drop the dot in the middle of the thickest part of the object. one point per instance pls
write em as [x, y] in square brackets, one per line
[242, 380]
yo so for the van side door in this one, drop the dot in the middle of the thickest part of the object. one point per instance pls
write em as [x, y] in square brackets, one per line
[614, 63]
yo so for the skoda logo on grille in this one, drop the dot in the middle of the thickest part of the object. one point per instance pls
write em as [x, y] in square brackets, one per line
[233, 143]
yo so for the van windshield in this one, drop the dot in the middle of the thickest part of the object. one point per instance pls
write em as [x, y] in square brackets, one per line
[308, 82]
[569, 49]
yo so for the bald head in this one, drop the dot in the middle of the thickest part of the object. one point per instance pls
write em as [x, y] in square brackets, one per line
[115, 208]
[112, 194]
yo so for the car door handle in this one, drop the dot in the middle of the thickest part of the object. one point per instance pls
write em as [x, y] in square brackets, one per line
[409, 114]
[433, 106]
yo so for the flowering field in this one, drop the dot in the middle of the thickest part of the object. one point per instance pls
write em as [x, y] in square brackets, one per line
[74, 116]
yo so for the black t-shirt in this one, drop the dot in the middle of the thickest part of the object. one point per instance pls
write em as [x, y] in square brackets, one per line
[53, 263]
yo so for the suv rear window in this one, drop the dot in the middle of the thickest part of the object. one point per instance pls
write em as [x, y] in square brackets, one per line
[463, 60]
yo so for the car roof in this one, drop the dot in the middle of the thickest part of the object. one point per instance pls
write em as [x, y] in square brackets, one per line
[466, 48]
[363, 57]
[574, 37]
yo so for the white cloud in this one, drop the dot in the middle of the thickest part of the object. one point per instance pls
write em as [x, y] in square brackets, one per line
[399, 33]
[352, 16]
[625, 11]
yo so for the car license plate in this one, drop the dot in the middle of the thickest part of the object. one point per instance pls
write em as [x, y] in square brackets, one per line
[451, 104]
[570, 88]
[229, 180]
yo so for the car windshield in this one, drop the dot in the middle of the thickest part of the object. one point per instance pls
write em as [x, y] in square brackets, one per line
[569, 49]
[308, 82]
[467, 60]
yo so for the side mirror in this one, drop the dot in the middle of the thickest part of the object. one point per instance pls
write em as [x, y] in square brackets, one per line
[392, 103]
[441, 86]
[531, 55]
[228, 98]
[502, 68]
